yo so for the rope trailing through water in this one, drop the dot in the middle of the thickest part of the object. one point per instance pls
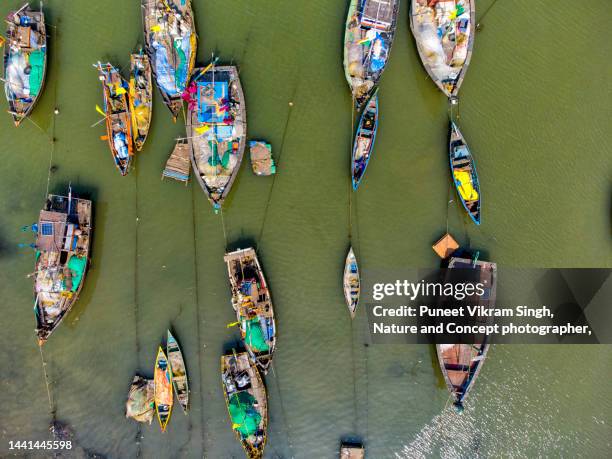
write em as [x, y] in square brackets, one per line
[197, 307]
[350, 187]
[278, 159]
[47, 384]
[282, 406]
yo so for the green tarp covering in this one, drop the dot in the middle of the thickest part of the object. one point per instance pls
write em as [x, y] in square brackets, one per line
[245, 418]
[37, 70]
[77, 266]
[254, 336]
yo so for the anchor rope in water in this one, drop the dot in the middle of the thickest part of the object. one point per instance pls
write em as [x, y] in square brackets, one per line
[350, 187]
[278, 159]
[47, 383]
[223, 226]
[282, 407]
[197, 307]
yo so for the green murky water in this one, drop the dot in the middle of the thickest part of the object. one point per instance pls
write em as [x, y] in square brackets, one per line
[536, 112]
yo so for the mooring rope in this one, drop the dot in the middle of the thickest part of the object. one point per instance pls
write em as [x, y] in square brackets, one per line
[223, 226]
[197, 308]
[47, 383]
[282, 407]
[350, 185]
[136, 305]
[278, 160]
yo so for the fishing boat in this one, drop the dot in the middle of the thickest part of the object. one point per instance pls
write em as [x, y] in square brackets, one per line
[25, 60]
[63, 237]
[247, 403]
[171, 44]
[253, 306]
[163, 389]
[462, 363]
[370, 29]
[463, 172]
[140, 98]
[179, 372]
[117, 116]
[216, 129]
[351, 282]
[444, 35]
[364, 140]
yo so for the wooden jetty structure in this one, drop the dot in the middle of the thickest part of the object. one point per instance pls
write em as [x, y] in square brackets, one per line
[63, 242]
[178, 166]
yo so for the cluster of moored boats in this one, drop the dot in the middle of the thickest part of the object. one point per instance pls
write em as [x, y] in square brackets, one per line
[212, 102]
[444, 34]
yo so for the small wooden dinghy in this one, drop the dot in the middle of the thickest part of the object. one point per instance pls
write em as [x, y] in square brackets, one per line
[171, 44]
[163, 389]
[253, 305]
[461, 363]
[141, 98]
[351, 282]
[247, 403]
[364, 140]
[178, 165]
[444, 35]
[352, 451]
[463, 172]
[118, 119]
[216, 129]
[370, 29]
[179, 372]
[25, 60]
[140, 405]
[62, 246]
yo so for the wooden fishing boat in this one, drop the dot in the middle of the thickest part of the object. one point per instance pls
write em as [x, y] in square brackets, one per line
[25, 60]
[62, 246]
[163, 389]
[179, 372]
[370, 29]
[247, 402]
[141, 98]
[171, 44]
[118, 119]
[364, 140]
[462, 363]
[253, 306]
[216, 129]
[351, 282]
[444, 34]
[463, 173]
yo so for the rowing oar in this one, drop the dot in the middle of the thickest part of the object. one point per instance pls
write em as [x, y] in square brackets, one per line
[207, 68]
[101, 112]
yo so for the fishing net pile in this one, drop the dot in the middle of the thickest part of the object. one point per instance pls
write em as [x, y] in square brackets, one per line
[140, 404]
[172, 37]
[442, 30]
[245, 417]
[25, 59]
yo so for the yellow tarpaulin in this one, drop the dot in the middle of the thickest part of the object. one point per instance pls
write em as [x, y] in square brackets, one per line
[465, 186]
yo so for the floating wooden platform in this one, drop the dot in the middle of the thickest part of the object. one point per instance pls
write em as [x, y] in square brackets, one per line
[446, 246]
[178, 165]
[352, 451]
